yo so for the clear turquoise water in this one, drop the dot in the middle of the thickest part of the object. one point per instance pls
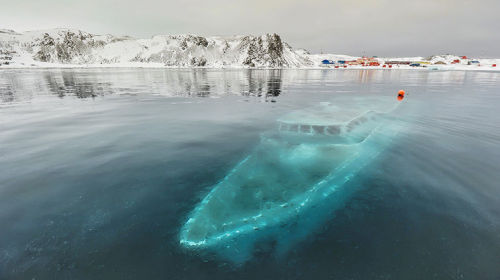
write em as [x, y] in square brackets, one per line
[100, 168]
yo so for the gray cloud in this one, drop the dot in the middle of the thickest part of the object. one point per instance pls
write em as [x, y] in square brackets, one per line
[384, 27]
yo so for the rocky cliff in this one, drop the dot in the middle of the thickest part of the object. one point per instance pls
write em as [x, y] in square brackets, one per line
[75, 47]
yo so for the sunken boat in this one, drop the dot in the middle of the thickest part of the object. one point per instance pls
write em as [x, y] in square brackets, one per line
[296, 175]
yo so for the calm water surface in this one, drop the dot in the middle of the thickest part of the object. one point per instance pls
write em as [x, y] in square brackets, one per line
[99, 169]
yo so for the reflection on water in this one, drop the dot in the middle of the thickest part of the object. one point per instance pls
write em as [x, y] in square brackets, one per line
[83, 83]
[19, 85]
[67, 83]
[99, 169]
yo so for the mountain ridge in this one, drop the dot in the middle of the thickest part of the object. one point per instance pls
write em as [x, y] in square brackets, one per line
[65, 46]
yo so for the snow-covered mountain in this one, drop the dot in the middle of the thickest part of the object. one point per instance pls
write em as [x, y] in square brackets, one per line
[75, 47]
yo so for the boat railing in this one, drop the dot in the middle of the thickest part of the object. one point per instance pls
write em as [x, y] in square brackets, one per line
[309, 129]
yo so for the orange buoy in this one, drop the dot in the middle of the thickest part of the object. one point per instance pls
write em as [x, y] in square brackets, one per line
[401, 95]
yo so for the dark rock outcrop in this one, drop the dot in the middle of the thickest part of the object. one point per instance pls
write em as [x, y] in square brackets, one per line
[65, 46]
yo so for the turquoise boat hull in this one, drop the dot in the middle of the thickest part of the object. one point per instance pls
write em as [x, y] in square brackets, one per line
[284, 190]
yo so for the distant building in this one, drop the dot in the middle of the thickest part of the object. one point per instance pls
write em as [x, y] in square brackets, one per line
[398, 62]
[440, 62]
[326, 61]
[364, 61]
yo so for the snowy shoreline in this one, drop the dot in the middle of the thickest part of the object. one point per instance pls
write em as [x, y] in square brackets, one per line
[154, 66]
[70, 48]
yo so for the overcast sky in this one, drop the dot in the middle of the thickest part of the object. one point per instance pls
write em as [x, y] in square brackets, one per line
[357, 27]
